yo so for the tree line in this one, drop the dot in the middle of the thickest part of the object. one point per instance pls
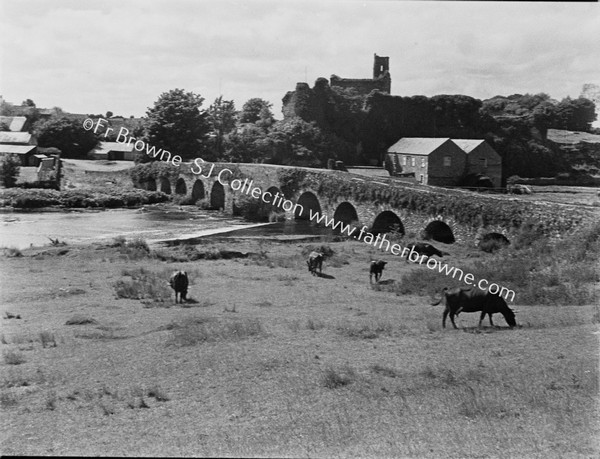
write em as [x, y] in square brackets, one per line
[337, 124]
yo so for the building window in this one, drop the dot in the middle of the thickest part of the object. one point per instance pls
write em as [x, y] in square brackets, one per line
[422, 162]
[447, 161]
[483, 162]
[421, 178]
[404, 160]
[412, 161]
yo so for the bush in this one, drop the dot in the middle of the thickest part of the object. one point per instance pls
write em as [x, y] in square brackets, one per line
[10, 167]
[334, 378]
[204, 330]
[143, 285]
[12, 252]
[14, 358]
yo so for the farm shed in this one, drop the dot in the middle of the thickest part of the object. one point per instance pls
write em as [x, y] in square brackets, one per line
[433, 161]
[482, 159]
[24, 152]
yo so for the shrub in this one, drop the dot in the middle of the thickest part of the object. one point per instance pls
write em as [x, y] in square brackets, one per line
[12, 252]
[204, 330]
[47, 339]
[158, 393]
[14, 358]
[143, 285]
[9, 170]
[334, 378]
[364, 331]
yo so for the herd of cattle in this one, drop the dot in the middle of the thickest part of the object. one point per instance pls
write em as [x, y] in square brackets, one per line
[456, 300]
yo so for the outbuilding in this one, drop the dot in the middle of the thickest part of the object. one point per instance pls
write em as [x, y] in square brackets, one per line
[114, 151]
[431, 160]
[25, 153]
[482, 159]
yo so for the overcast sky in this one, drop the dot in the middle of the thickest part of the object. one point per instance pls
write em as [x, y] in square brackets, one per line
[95, 56]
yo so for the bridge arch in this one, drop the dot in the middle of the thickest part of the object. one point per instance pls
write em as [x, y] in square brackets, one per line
[345, 213]
[386, 222]
[198, 190]
[439, 231]
[180, 186]
[165, 185]
[150, 184]
[217, 196]
[274, 203]
[306, 202]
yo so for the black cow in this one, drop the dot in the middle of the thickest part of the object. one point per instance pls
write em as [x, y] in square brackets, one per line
[377, 269]
[423, 248]
[315, 260]
[459, 300]
[179, 282]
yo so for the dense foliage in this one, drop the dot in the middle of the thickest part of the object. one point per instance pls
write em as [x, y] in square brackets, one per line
[67, 135]
[257, 111]
[10, 167]
[222, 117]
[36, 198]
[178, 124]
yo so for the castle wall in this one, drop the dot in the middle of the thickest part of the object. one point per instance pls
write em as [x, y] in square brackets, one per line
[363, 86]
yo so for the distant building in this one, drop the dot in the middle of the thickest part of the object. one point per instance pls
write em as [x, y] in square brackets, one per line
[431, 161]
[113, 151]
[482, 159]
[381, 80]
[25, 153]
[373, 172]
[15, 123]
[17, 138]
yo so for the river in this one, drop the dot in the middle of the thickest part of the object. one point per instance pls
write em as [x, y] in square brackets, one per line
[23, 229]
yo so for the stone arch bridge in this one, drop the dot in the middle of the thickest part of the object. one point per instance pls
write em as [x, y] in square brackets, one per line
[229, 187]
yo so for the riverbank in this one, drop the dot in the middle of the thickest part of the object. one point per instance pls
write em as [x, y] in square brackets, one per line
[267, 360]
[21, 228]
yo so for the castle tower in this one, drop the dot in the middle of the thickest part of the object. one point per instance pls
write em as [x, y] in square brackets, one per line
[381, 66]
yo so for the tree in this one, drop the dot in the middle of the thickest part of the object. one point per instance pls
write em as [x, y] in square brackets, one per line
[109, 114]
[575, 114]
[177, 124]
[257, 110]
[7, 109]
[67, 135]
[296, 142]
[28, 103]
[222, 117]
[10, 167]
[249, 144]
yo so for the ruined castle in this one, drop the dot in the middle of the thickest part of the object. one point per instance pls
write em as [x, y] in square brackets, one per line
[381, 80]
[311, 104]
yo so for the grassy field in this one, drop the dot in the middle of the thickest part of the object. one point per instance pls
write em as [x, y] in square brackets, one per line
[267, 360]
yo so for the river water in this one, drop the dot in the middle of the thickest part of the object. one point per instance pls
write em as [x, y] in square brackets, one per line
[153, 223]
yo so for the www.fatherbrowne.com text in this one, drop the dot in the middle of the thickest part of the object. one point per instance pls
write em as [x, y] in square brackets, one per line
[198, 166]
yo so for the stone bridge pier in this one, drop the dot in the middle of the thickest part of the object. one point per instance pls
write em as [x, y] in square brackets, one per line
[220, 190]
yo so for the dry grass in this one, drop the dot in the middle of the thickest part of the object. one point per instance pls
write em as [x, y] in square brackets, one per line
[306, 366]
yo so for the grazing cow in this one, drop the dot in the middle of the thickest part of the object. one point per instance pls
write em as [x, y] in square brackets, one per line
[422, 248]
[377, 269]
[179, 282]
[459, 300]
[315, 260]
